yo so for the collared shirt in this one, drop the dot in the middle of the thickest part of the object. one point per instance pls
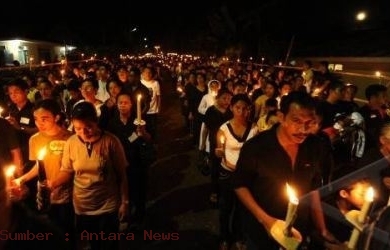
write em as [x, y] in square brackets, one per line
[264, 167]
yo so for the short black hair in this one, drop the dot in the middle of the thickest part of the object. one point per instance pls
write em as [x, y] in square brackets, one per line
[18, 82]
[301, 98]
[84, 111]
[374, 90]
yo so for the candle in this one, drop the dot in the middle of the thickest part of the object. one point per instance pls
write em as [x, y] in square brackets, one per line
[139, 108]
[9, 175]
[291, 210]
[222, 140]
[368, 199]
[41, 166]
[1, 112]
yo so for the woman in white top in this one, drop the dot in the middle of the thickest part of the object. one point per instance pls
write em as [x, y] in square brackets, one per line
[230, 138]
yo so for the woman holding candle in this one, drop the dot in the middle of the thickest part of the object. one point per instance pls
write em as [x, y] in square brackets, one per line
[132, 137]
[232, 134]
[215, 116]
[51, 137]
[95, 162]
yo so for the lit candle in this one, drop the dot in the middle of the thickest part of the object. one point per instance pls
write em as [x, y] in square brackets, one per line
[1, 112]
[139, 108]
[368, 199]
[9, 176]
[291, 210]
[41, 166]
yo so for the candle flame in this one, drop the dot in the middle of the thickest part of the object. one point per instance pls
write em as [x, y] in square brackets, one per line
[369, 194]
[378, 73]
[41, 154]
[139, 97]
[291, 194]
[9, 172]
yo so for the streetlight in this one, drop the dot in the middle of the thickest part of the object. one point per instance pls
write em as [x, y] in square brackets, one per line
[361, 16]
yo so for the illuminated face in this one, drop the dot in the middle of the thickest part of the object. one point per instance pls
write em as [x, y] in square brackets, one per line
[298, 123]
[113, 89]
[45, 120]
[147, 74]
[86, 130]
[45, 90]
[240, 110]
[122, 75]
[357, 194]
[124, 104]
[17, 95]
[87, 90]
[224, 101]
[269, 90]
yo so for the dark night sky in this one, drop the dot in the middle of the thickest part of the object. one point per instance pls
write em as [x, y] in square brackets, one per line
[169, 22]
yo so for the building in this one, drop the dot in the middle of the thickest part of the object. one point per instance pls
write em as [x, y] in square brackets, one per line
[19, 51]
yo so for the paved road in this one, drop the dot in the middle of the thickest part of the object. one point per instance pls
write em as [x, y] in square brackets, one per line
[178, 192]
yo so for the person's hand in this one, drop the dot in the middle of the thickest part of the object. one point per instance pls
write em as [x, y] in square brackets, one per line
[13, 122]
[123, 211]
[19, 181]
[141, 130]
[329, 237]
[268, 223]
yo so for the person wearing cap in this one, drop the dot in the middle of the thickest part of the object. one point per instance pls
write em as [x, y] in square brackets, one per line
[94, 160]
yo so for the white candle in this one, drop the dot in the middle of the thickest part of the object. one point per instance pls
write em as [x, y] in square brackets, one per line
[353, 239]
[368, 199]
[139, 108]
[1, 112]
[291, 209]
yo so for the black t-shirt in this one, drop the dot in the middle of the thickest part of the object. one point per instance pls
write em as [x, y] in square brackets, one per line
[264, 167]
[9, 141]
[213, 119]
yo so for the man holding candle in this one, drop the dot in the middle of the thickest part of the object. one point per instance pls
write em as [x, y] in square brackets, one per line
[287, 153]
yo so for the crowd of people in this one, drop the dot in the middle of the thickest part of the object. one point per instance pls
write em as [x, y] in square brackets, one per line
[259, 127]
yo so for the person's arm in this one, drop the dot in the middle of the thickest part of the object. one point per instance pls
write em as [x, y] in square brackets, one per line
[28, 176]
[62, 178]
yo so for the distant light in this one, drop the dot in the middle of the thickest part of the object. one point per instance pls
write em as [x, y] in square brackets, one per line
[134, 29]
[145, 38]
[280, 63]
[361, 16]
[378, 74]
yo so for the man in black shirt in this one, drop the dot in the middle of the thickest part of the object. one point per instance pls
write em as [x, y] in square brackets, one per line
[287, 153]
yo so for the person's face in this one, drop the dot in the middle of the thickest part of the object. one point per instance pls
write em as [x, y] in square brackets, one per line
[214, 87]
[87, 90]
[124, 104]
[286, 88]
[239, 90]
[224, 101]
[45, 90]
[240, 110]
[45, 120]
[122, 75]
[113, 89]
[380, 99]
[269, 90]
[147, 74]
[86, 130]
[16, 94]
[356, 195]
[298, 123]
